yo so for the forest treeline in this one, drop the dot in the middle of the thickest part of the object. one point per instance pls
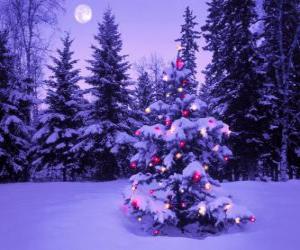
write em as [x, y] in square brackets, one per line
[251, 83]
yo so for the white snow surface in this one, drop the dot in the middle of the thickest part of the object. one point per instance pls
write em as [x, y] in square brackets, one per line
[89, 216]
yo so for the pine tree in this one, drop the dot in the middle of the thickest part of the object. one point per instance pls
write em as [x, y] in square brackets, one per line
[280, 50]
[189, 44]
[107, 127]
[14, 109]
[175, 157]
[58, 127]
[233, 81]
[144, 91]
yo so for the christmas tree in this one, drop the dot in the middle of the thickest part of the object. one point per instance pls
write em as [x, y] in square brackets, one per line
[175, 159]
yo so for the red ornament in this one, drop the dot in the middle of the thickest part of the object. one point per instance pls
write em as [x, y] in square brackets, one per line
[182, 144]
[137, 132]
[226, 158]
[185, 113]
[133, 165]
[252, 218]
[196, 177]
[179, 64]
[183, 205]
[168, 122]
[134, 204]
[155, 159]
[185, 81]
[156, 232]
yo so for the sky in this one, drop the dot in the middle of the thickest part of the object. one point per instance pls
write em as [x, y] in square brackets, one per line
[146, 26]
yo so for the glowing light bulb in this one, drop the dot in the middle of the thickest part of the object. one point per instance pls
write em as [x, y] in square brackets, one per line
[227, 206]
[178, 47]
[167, 205]
[203, 132]
[134, 204]
[181, 190]
[148, 110]
[182, 144]
[183, 205]
[178, 155]
[205, 166]
[139, 219]
[196, 177]
[133, 165]
[160, 117]
[168, 95]
[207, 186]
[168, 122]
[237, 220]
[137, 132]
[194, 107]
[134, 187]
[163, 169]
[165, 77]
[180, 89]
[202, 210]
[252, 218]
[160, 184]
[216, 148]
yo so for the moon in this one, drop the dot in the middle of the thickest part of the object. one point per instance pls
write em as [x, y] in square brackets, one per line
[83, 13]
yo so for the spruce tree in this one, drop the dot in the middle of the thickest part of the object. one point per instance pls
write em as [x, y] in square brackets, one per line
[14, 113]
[189, 44]
[233, 81]
[280, 49]
[175, 157]
[107, 120]
[144, 91]
[58, 128]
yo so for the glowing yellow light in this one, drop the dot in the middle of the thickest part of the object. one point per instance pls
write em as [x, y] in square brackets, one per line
[180, 89]
[202, 210]
[227, 206]
[207, 186]
[216, 148]
[203, 132]
[237, 220]
[181, 190]
[163, 169]
[178, 155]
[165, 77]
[168, 95]
[194, 107]
[205, 167]
[148, 110]
[178, 47]
[139, 219]
[167, 205]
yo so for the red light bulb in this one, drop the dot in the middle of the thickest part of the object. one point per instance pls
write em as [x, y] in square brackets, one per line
[134, 204]
[196, 177]
[179, 64]
[156, 232]
[168, 122]
[137, 133]
[133, 165]
[252, 218]
[185, 113]
[182, 144]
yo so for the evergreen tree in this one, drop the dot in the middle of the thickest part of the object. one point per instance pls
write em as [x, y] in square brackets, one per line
[57, 131]
[107, 127]
[281, 88]
[189, 44]
[174, 161]
[14, 109]
[144, 91]
[233, 81]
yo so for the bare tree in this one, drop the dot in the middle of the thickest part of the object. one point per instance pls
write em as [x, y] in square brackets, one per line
[27, 21]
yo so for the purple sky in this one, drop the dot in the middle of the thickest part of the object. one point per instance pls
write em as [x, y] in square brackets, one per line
[147, 26]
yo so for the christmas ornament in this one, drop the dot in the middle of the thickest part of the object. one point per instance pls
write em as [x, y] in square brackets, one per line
[185, 113]
[196, 177]
[202, 210]
[133, 165]
[182, 144]
[168, 122]
[148, 110]
[137, 132]
[134, 204]
[179, 64]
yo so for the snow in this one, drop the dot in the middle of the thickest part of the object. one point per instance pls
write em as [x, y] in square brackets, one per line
[88, 216]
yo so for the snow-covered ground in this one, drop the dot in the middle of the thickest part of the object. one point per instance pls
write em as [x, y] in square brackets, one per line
[87, 216]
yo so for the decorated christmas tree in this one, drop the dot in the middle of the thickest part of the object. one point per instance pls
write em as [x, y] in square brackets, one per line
[174, 161]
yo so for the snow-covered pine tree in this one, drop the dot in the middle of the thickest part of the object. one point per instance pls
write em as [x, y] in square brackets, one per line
[232, 81]
[189, 45]
[14, 114]
[144, 91]
[58, 128]
[106, 132]
[175, 157]
[280, 49]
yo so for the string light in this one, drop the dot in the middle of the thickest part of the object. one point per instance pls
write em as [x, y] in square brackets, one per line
[226, 158]
[148, 110]
[168, 95]
[160, 117]
[183, 205]
[156, 232]
[227, 207]
[202, 210]
[181, 190]
[139, 219]
[167, 205]
[134, 187]
[168, 122]
[160, 184]
[207, 186]
[179, 64]
[180, 89]
[155, 159]
[203, 132]
[185, 113]
[216, 148]
[137, 132]
[178, 155]
[163, 169]
[134, 204]
[237, 220]
[194, 107]
[205, 166]
[165, 77]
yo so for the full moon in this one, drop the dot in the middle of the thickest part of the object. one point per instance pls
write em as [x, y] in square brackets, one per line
[83, 13]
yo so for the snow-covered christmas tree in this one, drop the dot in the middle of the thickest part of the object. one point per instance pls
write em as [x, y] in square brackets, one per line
[175, 159]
